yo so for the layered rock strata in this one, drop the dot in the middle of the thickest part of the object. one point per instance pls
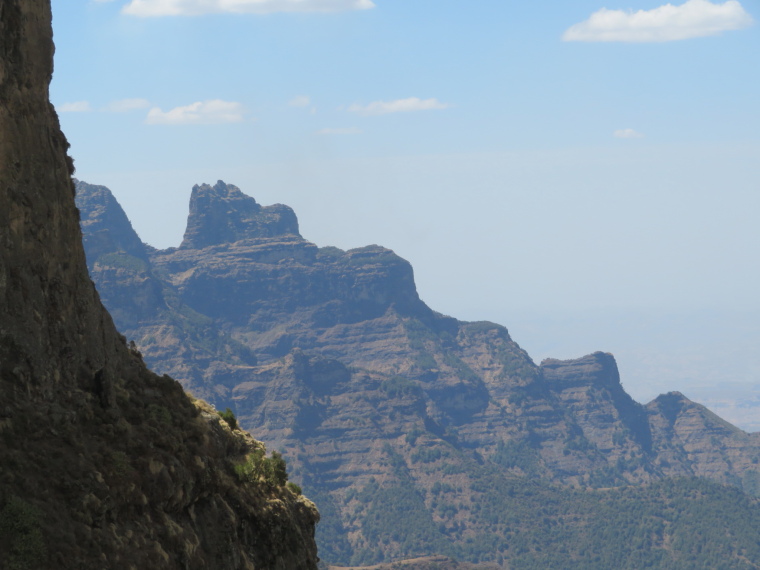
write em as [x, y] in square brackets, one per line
[332, 357]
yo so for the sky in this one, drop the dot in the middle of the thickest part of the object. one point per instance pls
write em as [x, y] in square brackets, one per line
[586, 173]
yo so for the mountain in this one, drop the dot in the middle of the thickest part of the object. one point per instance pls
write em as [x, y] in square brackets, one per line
[399, 421]
[104, 464]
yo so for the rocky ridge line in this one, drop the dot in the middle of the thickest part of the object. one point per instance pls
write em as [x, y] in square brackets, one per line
[399, 421]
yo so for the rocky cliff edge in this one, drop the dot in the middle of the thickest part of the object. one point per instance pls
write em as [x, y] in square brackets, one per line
[103, 464]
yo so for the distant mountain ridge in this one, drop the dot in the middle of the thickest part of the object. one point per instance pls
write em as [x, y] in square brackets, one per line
[332, 357]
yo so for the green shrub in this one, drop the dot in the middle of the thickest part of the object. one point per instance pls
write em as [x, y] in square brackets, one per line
[121, 260]
[258, 467]
[295, 489]
[160, 414]
[278, 469]
[330, 252]
[20, 531]
[399, 387]
[518, 454]
[252, 469]
[411, 437]
[120, 464]
[439, 488]
[229, 417]
[427, 455]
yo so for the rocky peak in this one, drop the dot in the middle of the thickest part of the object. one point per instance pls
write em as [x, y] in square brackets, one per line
[593, 383]
[671, 405]
[105, 226]
[694, 441]
[598, 369]
[222, 214]
[115, 253]
[679, 410]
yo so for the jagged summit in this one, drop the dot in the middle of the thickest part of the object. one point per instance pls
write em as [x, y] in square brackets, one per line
[222, 214]
[230, 238]
[690, 416]
[105, 226]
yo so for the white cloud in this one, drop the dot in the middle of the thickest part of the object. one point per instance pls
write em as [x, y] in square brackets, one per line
[627, 134]
[75, 107]
[398, 106]
[147, 8]
[340, 131]
[300, 101]
[125, 105]
[200, 113]
[694, 19]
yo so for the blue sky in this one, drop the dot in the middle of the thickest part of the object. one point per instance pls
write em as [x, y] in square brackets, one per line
[536, 162]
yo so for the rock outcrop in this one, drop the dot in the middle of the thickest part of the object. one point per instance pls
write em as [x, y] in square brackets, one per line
[387, 410]
[103, 464]
[222, 214]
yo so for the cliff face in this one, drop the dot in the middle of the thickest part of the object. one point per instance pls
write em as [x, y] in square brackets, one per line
[375, 399]
[103, 464]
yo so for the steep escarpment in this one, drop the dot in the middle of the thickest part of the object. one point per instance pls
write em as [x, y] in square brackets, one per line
[415, 433]
[103, 464]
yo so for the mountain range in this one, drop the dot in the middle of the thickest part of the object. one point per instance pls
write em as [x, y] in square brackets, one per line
[414, 432]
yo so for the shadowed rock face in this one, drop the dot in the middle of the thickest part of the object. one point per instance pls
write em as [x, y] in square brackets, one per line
[331, 356]
[102, 463]
[105, 226]
[46, 306]
[108, 235]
